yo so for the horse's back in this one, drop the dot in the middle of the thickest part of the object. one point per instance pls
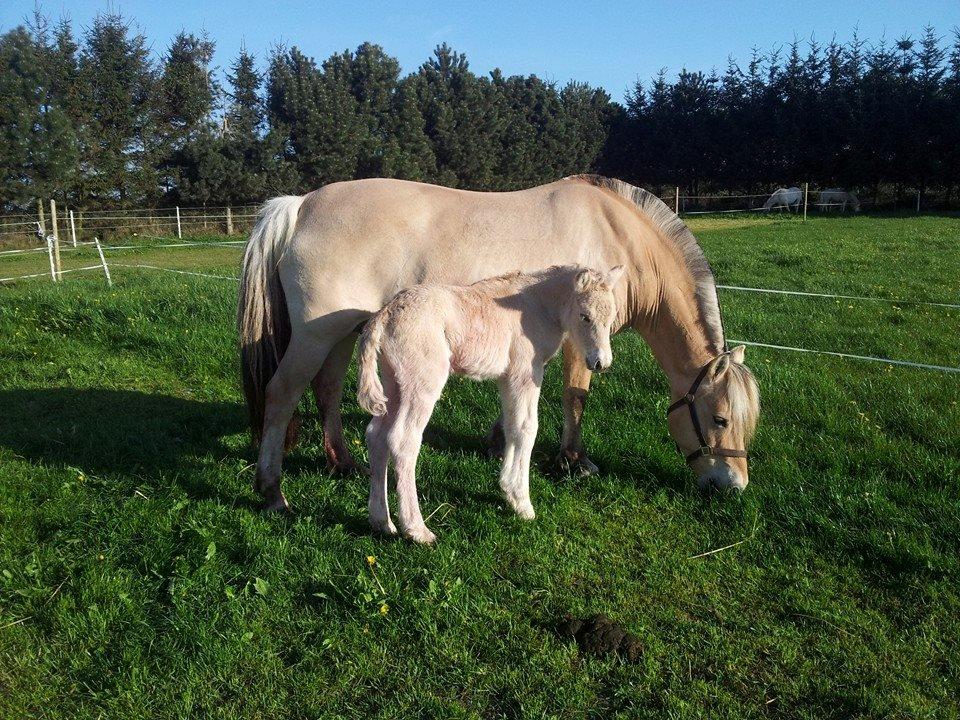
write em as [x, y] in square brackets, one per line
[359, 242]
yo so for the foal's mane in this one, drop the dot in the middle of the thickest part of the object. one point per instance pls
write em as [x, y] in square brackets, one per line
[674, 231]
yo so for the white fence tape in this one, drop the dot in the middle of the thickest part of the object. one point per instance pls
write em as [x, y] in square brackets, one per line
[172, 270]
[773, 291]
[888, 361]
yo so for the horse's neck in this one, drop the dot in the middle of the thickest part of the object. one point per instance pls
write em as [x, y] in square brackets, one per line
[670, 322]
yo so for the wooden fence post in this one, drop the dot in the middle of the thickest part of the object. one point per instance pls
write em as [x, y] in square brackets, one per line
[73, 229]
[918, 202]
[179, 232]
[676, 200]
[806, 198]
[56, 236]
[229, 221]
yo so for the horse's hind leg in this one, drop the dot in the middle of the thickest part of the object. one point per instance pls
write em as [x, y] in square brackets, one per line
[299, 362]
[328, 391]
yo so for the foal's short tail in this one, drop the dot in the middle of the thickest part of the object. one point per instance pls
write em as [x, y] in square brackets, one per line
[262, 317]
[370, 391]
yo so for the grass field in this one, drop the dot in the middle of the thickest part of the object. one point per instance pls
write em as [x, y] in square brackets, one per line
[137, 580]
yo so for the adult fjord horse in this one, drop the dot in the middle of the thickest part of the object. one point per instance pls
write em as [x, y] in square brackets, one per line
[317, 266]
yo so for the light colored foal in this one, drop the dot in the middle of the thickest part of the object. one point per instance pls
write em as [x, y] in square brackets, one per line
[504, 329]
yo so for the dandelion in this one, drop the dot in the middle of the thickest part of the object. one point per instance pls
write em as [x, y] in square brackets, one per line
[384, 609]
[371, 560]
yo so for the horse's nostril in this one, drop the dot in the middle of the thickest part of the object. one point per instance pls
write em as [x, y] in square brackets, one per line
[597, 365]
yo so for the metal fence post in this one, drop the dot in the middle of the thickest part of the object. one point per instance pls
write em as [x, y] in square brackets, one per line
[676, 200]
[806, 198]
[73, 230]
[103, 261]
[179, 232]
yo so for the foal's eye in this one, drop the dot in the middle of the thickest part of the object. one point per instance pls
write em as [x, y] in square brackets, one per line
[585, 318]
[721, 421]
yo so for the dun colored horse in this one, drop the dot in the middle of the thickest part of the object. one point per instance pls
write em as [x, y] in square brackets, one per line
[317, 267]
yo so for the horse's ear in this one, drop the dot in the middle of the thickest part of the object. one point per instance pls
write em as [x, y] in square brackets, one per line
[737, 354]
[583, 280]
[614, 276]
[721, 365]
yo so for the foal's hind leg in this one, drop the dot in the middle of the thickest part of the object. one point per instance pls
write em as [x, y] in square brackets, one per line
[404, 440]
[328, 391]
[378, 431]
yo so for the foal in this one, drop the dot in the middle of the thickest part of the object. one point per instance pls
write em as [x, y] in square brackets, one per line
[505, 329]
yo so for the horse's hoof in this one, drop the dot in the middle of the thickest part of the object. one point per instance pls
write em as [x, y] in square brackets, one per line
[576, 464]
[277, 503]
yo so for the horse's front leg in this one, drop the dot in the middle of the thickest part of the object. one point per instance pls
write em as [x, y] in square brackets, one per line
[519, 405]
[576, 386]
[328, 392]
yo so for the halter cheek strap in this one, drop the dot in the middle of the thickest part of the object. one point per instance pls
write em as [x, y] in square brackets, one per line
[705, 450]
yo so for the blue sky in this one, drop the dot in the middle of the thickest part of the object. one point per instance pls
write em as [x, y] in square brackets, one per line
[609, 44]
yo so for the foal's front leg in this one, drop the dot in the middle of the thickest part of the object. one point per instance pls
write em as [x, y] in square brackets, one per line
[576, 386]
[519, 402]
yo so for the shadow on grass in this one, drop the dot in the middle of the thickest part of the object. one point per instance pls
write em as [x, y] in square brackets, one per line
[116, 431]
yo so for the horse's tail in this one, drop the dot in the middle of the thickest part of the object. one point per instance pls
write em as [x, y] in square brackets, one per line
[262, 317]
[370, 393]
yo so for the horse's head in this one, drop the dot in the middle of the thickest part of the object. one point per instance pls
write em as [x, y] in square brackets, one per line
[590, 315]
[714, 422]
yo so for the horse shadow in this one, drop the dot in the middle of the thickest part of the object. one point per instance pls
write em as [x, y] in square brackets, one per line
[103, 431]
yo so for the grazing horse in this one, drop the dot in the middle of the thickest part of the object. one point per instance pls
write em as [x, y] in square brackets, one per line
[502, 329]
[838, 198]
[317, 267]
[788, 198]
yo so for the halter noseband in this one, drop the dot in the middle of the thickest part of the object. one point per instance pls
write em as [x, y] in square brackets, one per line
[704, 450]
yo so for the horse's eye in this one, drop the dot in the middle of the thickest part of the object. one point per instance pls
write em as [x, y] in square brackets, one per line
[585, 318]
[721, 421]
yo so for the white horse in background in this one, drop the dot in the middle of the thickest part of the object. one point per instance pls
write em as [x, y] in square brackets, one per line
[838, 198]
[788, 198]
[505, 329]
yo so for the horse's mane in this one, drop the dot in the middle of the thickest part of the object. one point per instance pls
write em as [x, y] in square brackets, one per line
[676, 232]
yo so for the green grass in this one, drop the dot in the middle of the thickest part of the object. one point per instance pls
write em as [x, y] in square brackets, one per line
[149, 586]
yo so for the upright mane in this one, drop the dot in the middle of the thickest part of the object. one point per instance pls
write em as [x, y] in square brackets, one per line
[676, 232]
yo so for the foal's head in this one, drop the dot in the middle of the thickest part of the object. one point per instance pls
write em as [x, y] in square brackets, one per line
[713, 424]
[590, 314]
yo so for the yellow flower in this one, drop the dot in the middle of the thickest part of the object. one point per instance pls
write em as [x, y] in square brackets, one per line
[384, 609]
[371, 560]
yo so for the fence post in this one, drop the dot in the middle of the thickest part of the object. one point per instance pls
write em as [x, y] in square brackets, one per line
[806, 198]
[179, 232]
[676, 200]
[73, 229]
[56, 236]
[53, 268]
[229, 221]
[103, 261]
[43, 222]
[918, 202]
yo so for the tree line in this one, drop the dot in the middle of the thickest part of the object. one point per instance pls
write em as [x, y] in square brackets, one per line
[96, 121]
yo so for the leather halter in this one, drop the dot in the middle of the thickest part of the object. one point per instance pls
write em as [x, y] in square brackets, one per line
[704, 450]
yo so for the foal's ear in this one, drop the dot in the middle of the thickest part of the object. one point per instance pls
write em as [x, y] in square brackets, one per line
[737, 354]
[583, 280]
[614, 275]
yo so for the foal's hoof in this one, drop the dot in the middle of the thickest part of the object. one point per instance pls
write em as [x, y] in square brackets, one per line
[576, 463]
[387, 529]
[421, 535]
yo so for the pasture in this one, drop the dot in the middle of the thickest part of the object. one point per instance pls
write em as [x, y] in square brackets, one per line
[137, 579]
